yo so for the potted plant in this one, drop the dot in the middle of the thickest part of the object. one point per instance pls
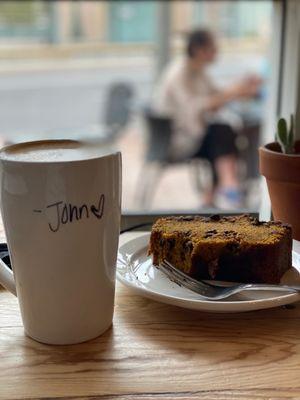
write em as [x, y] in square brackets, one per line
[280, 164]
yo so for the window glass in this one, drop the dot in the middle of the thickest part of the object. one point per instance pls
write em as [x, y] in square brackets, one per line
[188, 122]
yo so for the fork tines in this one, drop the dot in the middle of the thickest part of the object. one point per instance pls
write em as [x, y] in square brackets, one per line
[182, 279]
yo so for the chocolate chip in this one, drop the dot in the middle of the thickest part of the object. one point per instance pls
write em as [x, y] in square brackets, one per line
[189, 245]
[230, 233]
[215, 217]
[278, 223]
[161, 242]
[275, 232]
[256, 222]
[233, 247]
[185, 218]
[213, 231]
[171, 244]
[213, 267]
[210, 233]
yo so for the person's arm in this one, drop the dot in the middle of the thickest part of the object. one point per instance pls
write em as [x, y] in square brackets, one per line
[246, 88]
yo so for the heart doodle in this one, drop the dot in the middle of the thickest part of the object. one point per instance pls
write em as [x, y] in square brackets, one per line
[98, 211]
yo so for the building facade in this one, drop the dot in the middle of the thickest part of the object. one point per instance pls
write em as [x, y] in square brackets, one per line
[124, 21]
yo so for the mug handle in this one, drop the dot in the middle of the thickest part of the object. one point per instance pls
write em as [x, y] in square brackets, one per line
[7, 277]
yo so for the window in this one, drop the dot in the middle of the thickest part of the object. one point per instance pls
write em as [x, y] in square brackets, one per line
[60, 61]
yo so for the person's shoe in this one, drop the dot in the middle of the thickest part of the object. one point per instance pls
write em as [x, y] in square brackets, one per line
[229, 199]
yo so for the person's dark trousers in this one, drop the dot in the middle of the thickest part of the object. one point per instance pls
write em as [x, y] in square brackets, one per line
[219, 141]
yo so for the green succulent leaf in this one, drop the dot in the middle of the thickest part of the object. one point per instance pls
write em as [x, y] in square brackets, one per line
[282, 134]
[282, 130]
[291, 135]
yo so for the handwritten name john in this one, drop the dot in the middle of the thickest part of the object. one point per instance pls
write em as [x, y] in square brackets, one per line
[64, 213]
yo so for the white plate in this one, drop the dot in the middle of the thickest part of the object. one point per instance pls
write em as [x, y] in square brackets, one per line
[135, 270]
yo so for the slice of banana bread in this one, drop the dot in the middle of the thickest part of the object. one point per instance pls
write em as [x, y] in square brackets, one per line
[237, 248]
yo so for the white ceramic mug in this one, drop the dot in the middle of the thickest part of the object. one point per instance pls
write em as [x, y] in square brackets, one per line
[61, 220]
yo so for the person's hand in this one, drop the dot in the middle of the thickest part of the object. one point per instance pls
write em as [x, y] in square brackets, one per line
[248, 87]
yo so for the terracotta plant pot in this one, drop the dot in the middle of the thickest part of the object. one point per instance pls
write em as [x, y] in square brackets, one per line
[282, 172]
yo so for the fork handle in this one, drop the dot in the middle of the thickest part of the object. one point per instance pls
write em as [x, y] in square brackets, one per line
[281, 288]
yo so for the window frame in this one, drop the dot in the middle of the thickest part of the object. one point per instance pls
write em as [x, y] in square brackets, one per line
[284, 87]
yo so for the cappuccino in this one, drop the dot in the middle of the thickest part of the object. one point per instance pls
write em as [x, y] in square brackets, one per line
[61, 204]
[50, 151]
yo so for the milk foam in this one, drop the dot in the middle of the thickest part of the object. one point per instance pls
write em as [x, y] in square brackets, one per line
[50, 151]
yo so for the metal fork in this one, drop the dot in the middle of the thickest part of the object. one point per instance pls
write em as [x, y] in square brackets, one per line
[210, 291]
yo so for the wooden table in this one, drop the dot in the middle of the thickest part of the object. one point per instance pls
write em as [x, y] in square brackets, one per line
[156, 351]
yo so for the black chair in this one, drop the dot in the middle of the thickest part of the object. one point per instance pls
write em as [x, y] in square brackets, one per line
[118, 108]
[115, 115]
[158, 138]
[158, 159]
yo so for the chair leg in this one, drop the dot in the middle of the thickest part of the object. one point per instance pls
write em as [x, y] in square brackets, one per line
[142, 186]
[195, 176]
[197, 167]
[201, 178]
[147, 183]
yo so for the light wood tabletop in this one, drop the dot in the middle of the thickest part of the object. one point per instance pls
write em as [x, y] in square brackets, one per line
[157, 351]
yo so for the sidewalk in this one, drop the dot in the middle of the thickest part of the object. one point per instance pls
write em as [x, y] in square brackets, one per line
[174, 189]
[20, 66]
[30, 57]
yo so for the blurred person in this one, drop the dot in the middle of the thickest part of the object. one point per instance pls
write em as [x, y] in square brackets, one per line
[188, 96]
